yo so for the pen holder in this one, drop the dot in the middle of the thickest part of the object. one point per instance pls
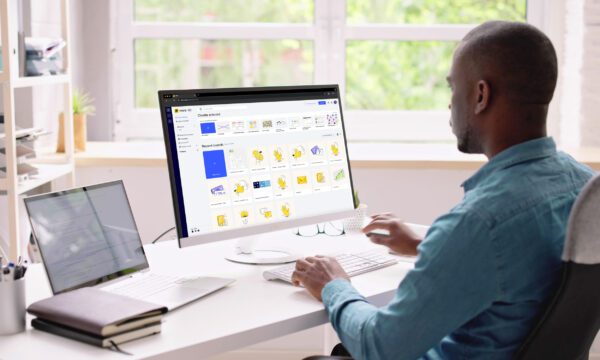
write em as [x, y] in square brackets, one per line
[12, 306]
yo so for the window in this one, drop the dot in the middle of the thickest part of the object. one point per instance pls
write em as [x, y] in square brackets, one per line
[390, 57]
[218, 63]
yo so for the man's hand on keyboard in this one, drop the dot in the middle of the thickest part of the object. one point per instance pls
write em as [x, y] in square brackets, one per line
[401, 240]
[314, 272]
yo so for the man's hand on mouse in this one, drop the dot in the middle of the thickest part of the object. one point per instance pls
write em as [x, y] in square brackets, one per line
[401, 240]
[314, 272]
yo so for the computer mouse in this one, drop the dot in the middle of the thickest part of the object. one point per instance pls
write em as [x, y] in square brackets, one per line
[378, 232]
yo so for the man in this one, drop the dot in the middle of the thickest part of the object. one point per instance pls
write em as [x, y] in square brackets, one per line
[486, 269]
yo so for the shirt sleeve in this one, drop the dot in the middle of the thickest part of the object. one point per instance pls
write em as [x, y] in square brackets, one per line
[454, 279]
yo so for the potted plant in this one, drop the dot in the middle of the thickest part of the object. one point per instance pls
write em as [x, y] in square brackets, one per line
[82, 107]
[356, 221]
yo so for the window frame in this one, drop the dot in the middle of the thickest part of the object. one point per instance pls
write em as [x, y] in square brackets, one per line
[329, 34]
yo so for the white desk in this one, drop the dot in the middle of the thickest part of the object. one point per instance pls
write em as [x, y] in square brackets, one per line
[249, 311]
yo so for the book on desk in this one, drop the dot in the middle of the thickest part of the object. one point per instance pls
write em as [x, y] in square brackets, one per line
[102, 341]
[97, 317]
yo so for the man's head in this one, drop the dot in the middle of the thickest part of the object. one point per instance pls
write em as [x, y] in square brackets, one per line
[502, 78]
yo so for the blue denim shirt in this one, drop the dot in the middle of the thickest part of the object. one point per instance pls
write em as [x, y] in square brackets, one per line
[485, 270]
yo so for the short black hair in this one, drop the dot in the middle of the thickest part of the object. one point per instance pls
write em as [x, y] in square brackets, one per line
[517, 56]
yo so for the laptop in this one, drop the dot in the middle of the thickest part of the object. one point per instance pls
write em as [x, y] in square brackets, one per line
[88, 237]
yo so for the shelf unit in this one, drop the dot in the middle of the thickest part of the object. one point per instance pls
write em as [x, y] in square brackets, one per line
[41, 80]
[10, 80]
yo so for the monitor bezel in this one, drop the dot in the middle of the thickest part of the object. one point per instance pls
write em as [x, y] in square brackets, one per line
[256, 229]
[102, 279]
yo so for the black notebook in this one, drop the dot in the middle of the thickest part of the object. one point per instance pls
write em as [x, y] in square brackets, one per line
[108, 341]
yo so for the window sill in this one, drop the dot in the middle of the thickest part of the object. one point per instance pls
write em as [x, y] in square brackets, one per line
[362, 155]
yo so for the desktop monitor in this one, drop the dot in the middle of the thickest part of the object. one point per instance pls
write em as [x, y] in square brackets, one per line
[245, 161]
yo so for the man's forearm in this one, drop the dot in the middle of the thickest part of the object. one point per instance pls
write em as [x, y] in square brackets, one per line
[338, 295]
[410, 247]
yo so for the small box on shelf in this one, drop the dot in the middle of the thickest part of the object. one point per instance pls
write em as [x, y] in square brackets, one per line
[42, 56]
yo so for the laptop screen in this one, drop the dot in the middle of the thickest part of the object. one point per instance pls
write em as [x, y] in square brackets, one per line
[86, 235]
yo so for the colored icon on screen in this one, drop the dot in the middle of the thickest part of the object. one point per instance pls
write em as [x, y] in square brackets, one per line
[244, 216]
[240, 187]
[335, 150]
[218, 190]
[285, 210]
[208, 128]
[261, 184]
[332, 119]
[281, 182]
[266, 124]
[298, 152]
[221, 220]
[258, 156]
[302, 180]
[320, 177]
[266, 212]
[278, 155]
[214, 164]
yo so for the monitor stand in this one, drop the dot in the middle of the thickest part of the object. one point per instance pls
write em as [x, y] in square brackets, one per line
[246, 253]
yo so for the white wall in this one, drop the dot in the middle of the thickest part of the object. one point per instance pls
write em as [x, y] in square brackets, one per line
[92, 57]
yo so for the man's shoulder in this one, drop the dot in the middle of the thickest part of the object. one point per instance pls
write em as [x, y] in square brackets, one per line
[519, 188]
[582, 170]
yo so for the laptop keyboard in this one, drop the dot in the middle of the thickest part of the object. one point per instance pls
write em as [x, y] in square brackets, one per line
[353, 264]
[144, 286]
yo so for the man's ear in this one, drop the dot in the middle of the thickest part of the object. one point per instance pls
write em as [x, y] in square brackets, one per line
[483, 94]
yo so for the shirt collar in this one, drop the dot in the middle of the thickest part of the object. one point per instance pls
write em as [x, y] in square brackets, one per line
[529, 150]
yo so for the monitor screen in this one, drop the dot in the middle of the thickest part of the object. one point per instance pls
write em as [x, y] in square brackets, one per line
[243, 161]
[86, 235]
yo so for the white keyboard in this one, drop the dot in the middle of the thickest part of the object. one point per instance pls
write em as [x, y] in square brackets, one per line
[353, 264]
[144, 286]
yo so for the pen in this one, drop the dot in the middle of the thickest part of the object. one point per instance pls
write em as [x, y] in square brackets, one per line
[12, 271]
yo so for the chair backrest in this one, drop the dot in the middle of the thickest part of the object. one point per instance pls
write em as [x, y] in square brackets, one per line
[572, 319]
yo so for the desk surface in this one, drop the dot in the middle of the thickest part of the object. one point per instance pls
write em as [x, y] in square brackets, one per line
[249, 311]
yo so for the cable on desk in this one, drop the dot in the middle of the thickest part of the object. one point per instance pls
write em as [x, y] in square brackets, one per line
[163, 234]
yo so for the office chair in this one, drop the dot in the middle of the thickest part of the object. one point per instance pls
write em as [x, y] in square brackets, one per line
[571, 321]
[339, 352]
